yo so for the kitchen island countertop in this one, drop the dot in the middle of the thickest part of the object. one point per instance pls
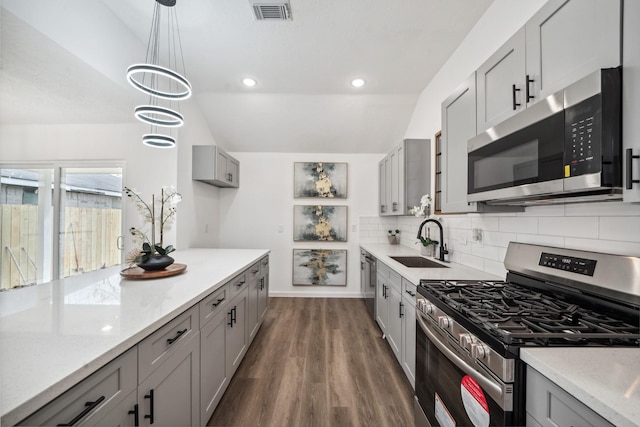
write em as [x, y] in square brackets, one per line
[606, 379]
[54, 335]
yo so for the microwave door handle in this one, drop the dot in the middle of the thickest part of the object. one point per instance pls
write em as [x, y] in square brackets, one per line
[493, 389]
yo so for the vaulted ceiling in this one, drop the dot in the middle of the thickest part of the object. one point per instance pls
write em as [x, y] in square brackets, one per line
[65, 64]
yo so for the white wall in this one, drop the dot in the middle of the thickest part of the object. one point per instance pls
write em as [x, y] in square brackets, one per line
[250, 216]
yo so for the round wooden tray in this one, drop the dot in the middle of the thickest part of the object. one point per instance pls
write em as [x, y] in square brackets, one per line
[136, 273]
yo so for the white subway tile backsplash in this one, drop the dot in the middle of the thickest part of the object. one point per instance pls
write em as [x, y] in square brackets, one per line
[485, 223]
[519, 225]
[552, 210]
[541, 239]
[495, 267]
[603, 209]
[486, 251]
[496, 238]
[472, 261]
[626, 229]
[569, 226]
[606, 246]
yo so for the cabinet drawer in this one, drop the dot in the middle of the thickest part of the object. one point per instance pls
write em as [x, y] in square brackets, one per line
[157, 347]
[253, 272]
[213, 304]
[88, 402]
[237, 284]
[383, 270]
[264, 266]
[409, 291]
[549, 404]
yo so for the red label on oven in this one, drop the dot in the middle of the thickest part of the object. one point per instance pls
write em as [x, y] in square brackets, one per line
[474, 401]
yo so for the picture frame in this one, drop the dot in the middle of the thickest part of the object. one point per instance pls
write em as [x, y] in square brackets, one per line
[320, 223]
[319, 267]
[326, 180]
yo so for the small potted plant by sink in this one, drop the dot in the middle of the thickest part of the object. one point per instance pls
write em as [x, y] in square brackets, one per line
[428, 246]
[393, 237]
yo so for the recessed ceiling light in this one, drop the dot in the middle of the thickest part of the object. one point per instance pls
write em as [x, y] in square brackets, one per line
[357, 82]
[249, 82]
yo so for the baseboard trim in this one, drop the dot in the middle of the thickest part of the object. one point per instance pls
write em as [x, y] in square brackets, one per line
[314, 294]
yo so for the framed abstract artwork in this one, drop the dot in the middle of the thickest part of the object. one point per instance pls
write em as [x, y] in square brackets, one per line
[319, 223]
[320, 179]
[319, 267]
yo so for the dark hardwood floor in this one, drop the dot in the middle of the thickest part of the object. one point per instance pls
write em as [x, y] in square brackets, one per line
[317, 362]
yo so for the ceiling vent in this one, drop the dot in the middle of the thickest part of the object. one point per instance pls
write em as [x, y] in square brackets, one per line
[272, 11]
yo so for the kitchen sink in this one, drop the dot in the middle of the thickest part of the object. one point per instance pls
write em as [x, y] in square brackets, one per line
[417, 262]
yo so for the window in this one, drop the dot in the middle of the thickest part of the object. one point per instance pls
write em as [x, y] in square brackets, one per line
[57, 222]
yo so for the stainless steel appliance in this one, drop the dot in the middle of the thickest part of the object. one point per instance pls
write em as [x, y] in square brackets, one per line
[368, 281]
[565, 148]
[469, 333]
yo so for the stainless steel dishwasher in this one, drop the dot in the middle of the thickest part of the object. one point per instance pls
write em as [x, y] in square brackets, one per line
[368, 281]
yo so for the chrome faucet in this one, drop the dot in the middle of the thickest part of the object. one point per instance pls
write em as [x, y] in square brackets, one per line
[443, 247]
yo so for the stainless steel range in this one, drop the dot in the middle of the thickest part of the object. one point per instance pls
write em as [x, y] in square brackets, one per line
[469, 335]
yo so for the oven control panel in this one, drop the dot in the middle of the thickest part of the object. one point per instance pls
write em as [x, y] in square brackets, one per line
[568, 263]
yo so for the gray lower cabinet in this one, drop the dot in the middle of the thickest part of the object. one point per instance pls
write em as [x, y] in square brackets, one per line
[409, 330]
[100, 399]
[177, 375]
[394, 325]
[382, 305]
[237, 333]
[170, 396]
[549, 405]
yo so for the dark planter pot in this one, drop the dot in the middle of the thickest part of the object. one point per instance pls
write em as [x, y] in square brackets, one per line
[156, 262]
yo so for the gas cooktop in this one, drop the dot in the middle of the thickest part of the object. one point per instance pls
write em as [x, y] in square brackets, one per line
[517, 315]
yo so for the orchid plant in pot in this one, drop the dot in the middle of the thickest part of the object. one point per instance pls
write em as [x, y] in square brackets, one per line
[151, 254]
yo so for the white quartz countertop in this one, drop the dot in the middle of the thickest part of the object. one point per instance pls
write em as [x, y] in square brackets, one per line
[607, 380]
[54, 335]
[383, 252]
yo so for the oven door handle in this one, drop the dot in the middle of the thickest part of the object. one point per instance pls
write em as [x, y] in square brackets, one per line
[492, 388]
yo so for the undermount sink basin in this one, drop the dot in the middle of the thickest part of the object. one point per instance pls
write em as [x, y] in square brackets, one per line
[417, 262]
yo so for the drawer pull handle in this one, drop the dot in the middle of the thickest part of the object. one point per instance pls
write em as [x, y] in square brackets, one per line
[240, 283]
[413, 294]
[150, 397]
[255, 271]
[178, 335]
[134, 412]
[90, 406]
[217, 303]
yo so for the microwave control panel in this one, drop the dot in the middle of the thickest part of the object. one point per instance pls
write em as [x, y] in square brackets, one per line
[582, 127]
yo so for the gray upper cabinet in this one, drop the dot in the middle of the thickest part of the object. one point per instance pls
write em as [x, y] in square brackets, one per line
[404, 176]
[214, 166]
[567, 40]
[499, 83]
[563, 42]
[631, 102]
[458, 125]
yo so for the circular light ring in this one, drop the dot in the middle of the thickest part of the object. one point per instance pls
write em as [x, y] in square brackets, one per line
[161, 71]
[153, 115]
[158, 141]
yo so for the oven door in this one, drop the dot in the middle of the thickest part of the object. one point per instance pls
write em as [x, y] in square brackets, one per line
[452, 392]
[522, 156]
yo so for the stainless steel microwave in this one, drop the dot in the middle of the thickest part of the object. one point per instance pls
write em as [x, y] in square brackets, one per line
[565, 148]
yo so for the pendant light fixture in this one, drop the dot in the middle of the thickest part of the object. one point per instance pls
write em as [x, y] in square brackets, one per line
[161, 76]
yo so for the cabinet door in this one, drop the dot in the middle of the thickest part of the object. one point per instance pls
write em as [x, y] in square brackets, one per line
[213, 365]
[170, 396]
[221, 166]
[233, 171]
[458, 126]
[500, 83]
[394, 324]
[631, 102]
[252, 309]
[263, 296]
[569, 39]
[382, 189]
[388, 173]
[382, 310]
[237, 335]
[123, 415]
[394, 181]
[409, 340]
